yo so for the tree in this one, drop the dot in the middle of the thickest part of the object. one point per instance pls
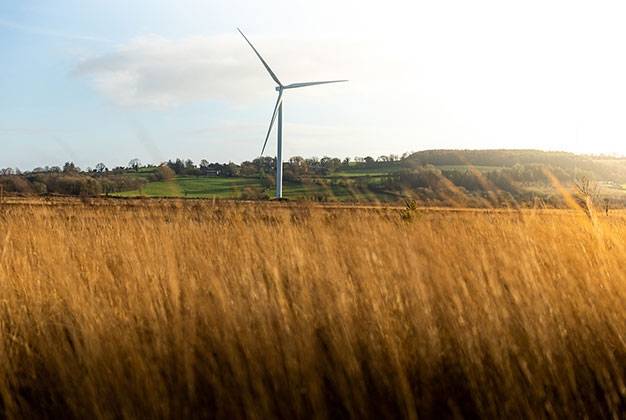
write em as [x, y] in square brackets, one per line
[297, 161]
[264, 164]
[248, 168]
[330, 164]
[134, 164]
[205, 167]
[101, 167]
[232, 169]
[69, 168]
[178, 166]
[313, 161]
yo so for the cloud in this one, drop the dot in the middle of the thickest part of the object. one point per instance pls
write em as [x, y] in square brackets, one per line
[156, 71]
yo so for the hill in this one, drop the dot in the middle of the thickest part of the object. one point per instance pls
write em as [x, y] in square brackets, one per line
[600, 168]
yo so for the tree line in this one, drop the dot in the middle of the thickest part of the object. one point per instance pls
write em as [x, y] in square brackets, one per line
[429, 173]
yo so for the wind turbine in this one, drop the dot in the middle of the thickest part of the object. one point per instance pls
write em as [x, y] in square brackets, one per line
[278, 110]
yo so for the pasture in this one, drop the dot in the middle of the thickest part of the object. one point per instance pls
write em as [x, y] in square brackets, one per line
[250, 187]
[178, 309]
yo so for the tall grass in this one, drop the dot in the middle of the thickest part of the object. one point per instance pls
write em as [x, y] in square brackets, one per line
[239, 311]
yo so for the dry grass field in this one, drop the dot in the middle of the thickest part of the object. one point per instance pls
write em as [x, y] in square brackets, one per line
[202, 310]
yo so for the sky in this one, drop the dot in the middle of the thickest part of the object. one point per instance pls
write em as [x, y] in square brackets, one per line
[107, 81]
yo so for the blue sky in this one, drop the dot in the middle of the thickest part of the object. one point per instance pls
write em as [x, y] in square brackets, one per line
[92, 81]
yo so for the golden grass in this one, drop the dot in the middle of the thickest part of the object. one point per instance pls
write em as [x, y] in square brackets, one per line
[175, 310]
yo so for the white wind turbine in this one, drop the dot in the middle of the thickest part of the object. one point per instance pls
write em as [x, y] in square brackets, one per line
[278, 109]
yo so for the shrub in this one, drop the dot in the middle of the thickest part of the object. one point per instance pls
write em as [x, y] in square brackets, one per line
[163, 173]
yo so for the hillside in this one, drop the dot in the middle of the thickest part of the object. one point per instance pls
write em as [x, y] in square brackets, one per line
[600, 168]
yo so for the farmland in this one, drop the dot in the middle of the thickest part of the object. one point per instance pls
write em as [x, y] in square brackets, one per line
[338, 186]
[194, 308]
[426, 175]
[238, 187]
[216, 187]
[465, 178]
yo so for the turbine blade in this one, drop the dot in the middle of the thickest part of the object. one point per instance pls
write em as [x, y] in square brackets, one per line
[299, 85]
[269, 130]
[267, 67]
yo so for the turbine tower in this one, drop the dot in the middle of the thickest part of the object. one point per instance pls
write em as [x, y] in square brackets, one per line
[278, 111]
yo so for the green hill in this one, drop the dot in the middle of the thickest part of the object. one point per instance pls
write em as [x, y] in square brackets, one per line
[601, 168]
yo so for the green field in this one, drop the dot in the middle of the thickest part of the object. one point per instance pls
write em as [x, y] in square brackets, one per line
[240, 187]
[339, 186]
[195, 187]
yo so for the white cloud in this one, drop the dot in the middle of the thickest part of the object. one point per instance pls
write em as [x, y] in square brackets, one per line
[156, 71]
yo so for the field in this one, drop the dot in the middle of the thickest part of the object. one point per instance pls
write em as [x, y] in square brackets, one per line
[195, 187]
[178, 309]
[236, 187]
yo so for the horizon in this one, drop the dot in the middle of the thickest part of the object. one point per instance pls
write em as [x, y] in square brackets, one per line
[353, 158]
[91, 83]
